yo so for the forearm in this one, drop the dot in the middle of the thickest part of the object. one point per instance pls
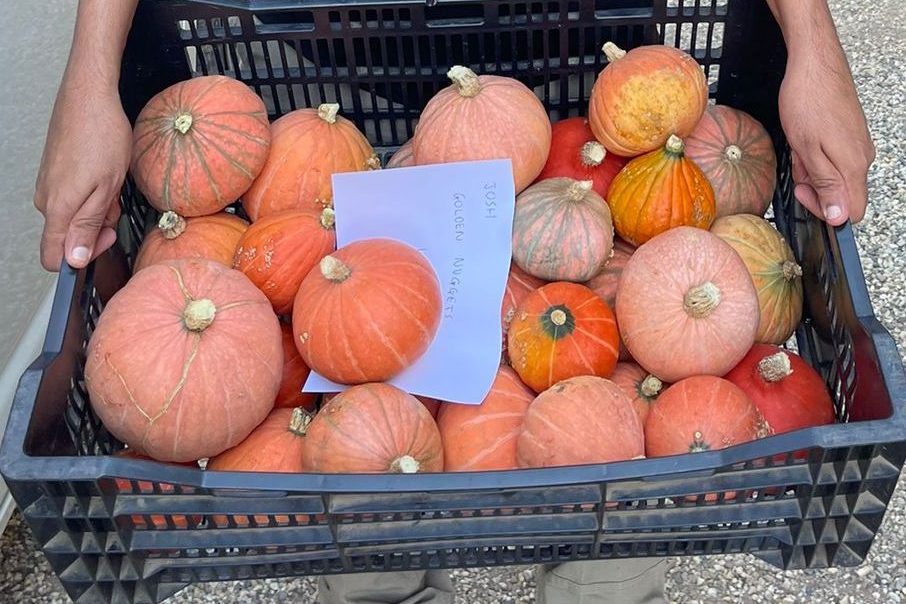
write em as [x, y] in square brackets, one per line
[807, 25]
[98, 42]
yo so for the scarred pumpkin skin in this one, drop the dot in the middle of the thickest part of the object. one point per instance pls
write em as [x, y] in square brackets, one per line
[279, 250]
[580, 420]
[686, 305]
[659, 191]
[171, 353]
[562, 330]
[645, 95]
[519, 284]
[483, 437]
[484, 117]
[213, 237]
[736, 154]
[373, 428]
[562, 230]
[641, 387]
[367, 311]
[198, 145]
[773, 268]
[295, 374]
[403, 157]
[309, 146]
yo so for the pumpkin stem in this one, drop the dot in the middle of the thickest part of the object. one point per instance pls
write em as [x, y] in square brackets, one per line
[592, 154]
[675, 145]
[183, 122]
[558, 317]
[373, 163]
[405, 464]
[328, 218]
[199, 314]
[578, 189]
[698, 444]
[465, 79]
[775, 367]
[334, 270]
[613, 52]
[733, 153]
[171, 225]
[650, 387]
[701, 300]
[791, 270]
[298, 423]
[328, 112]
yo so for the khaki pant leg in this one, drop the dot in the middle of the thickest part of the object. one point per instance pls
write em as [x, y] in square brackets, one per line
[409, 587]
[616, 581]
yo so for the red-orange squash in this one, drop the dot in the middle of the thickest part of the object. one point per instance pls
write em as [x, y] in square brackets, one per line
[640, 386]
[279, 250]
[580, 420]
[403, 157]
[295, 373]
[645, 95]
[777, 277]
[198, 145]
[562, 230]
[737, 156]
[309, 146]
[659, 191]
[484, 117]
[367, 311]
[686, 305]
[701, 413]
[483, 437]
[213, 237]
[562, 330]
[373, 428]
[605, 282]
[519, 284]
[168, 367]
[145, 487]
[576, 154]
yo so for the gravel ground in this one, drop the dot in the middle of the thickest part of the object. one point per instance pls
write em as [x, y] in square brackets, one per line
[875, 41]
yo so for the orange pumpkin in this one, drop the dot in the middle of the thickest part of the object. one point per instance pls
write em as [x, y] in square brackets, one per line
[278, 251]
[605, 283]
[484, 117]
[777, 277]
[168, 367]
[562, 330]
[645, 95]
[580, 420]
[431, 404]
[483, 437]
[403, 157]
[641, 387]
[213, 237]
[737, 156]
[659, 191]
[145, 487]
[686, 305]
[562, 230]
[295, 373]
[367, 311]
[309, 146]
[373, 428]
[198, 145]
[519, 284]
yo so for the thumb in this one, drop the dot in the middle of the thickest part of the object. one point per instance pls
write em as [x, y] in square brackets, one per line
[829, 186]
[82, 237]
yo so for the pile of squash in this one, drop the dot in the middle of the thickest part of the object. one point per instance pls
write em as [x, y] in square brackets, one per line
[643, 315]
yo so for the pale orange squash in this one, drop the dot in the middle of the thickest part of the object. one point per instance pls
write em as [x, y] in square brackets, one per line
[641, 387]
[213, 237]
[403, 157]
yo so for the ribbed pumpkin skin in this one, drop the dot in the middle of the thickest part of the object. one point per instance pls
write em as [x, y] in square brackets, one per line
[686, 305]
[158, 386]
[207, 167]
[307, 149]
[642, 98]
[777, 277]
[279, 250]
[737, 156]
[431, 404]
[374, 323]
[659, 191]
[562, 330]
[576, 154]
[503, 120]
[562, 230]
[519, 284]
[700, 413]
[295, 373]
[403, 157]
[213, 237]
[581, 420]
[483, 437]
[368, 429]
[641, 387]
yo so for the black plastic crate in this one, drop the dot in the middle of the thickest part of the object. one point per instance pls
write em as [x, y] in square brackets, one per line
[121, 530]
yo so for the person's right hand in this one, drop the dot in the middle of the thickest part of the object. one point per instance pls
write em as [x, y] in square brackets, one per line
[85, 161]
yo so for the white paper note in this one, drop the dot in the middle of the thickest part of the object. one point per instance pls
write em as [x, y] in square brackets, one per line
[460, 216]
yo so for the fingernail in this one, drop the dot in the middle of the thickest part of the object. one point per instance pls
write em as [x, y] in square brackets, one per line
[832, 212]
[81, 254]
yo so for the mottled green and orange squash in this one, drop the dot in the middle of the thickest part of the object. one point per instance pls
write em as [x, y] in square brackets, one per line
[213, 237]
[562, 230]
[198, 145]
[562, 330]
